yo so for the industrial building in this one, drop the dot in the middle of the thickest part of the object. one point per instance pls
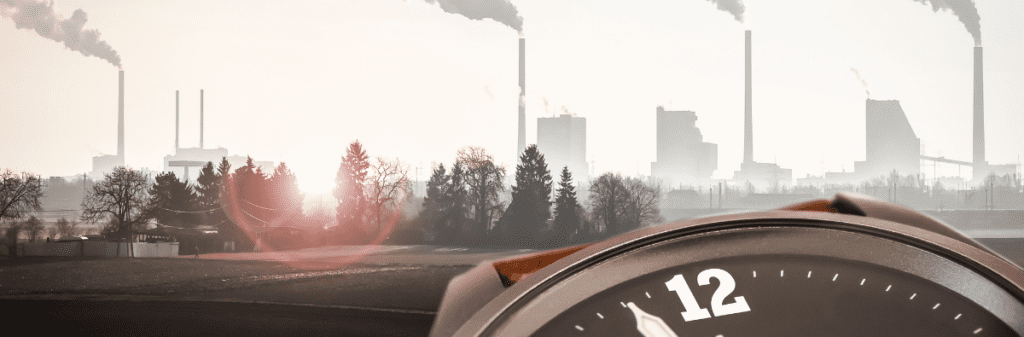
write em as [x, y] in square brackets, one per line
[890, 141]
[563, 142]
[761, 175]
[683, 158]
[184, 159]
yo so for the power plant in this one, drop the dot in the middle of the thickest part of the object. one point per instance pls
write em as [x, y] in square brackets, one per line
[106, 163]
[761, 175]
[892, 145]
[683, 158]
[563, 141]
[184, 159]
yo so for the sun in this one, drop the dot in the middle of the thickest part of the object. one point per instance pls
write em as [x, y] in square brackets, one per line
[314, 174]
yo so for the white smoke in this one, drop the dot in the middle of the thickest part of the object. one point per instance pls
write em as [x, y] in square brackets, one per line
[862, 81]
[501, 11]
[965, 10]
[39, 16]
[734, 7]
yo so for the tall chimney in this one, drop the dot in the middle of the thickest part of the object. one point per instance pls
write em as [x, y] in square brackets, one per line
[522, 97]
[979, 112]
[177, 120]
[120, 117]
[201, 118]
[748, 123]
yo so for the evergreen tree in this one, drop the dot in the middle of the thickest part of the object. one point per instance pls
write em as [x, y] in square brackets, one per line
[286, 197]
[173, 202]
[456, 201]
[350, 192]
[434, 202]
[229, 215]
[208, 188]
[530, 209]
[567, 220]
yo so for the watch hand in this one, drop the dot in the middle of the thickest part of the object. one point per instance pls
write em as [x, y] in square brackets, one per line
[650, 325]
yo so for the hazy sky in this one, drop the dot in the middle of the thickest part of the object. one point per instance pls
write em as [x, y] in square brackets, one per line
[298, 81]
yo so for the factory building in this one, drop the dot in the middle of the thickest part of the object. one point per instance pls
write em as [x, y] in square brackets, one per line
[187, 163]
[891, 143]
[563, 142]
[683, 158]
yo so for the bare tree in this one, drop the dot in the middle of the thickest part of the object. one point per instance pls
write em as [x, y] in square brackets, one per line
[33, 227]
[624, 204]
[641, 207]
[387, 188]
[607, 199]
[66, 228]
[484, 179]
[19, 194]
[122, 198]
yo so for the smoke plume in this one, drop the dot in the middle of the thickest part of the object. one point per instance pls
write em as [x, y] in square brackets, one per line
[734, 7]
[964, 10]
[862, 81]
[502, 11]
[28, 14]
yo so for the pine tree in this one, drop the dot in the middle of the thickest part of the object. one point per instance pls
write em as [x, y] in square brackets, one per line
[456, 199]
[286, 197]
[567, 220]
[434, 203]
[350, 191]
[207, 188]
[173, 201]
[527, 215]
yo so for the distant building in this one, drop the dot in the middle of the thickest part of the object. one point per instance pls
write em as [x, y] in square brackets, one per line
[187, 163]
[891, 142]
[563, 142]
[763, 175]
[682, 155]
[104, 164]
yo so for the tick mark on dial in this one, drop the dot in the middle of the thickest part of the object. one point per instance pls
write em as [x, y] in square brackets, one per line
[936, 306]
[977, 331]
[648, 294]
[580, 328]
[862, 281]
[889, 287]
[782, 273]
[755, 273]
[808, 274]
[600, 316]
[834, 277]
[912, 296]
[957, 316]
[623, 304]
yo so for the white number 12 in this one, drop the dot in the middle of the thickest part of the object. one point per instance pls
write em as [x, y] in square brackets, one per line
[693, 311]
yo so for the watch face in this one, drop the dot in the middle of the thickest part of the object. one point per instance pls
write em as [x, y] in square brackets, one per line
[771, 278]
[777, 295]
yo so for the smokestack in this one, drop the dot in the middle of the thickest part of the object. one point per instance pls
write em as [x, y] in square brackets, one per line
[979, 111]
[748, 123]
[522, 97]
[201, 118]
[120, 116]
[177, 122]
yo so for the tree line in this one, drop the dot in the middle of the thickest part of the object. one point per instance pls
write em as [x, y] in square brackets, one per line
[466, 203]
[463, 205]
